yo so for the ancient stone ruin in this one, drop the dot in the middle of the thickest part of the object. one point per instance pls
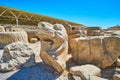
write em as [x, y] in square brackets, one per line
[66, 53]
[101, 51]
[8, 36]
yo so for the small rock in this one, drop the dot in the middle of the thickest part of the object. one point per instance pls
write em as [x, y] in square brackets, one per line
[117, 70]
[33, 40]
[85, 71]
[96, 78]
[68, 76]
[116, 77]
[118, 62]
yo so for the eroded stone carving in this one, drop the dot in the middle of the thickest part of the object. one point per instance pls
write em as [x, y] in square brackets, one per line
[56, 55]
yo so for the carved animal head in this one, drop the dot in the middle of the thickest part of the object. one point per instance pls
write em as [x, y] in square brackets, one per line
[55, 34]
[49, 32]
[55, 56]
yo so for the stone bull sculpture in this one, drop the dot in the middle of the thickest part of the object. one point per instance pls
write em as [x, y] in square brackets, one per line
[56, 55]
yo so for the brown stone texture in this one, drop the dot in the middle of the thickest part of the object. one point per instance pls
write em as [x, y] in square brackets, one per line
[100, 51]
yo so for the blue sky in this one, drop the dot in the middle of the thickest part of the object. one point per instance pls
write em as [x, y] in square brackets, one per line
[104, 13]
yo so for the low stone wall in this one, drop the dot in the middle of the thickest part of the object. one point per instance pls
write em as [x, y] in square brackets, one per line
[9, 37]
[25, 27]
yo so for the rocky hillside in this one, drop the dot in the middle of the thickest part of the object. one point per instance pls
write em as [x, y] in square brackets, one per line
[7, 16]
[117, 27]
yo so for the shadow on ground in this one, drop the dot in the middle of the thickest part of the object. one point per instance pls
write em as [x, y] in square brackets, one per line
[38, 72]
[108, 72]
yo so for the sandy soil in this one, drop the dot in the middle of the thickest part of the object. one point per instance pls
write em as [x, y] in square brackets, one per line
[36, 48]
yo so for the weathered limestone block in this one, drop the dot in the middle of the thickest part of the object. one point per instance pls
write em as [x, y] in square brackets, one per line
[9, 37]
[100, 51]
[111, 50]
[85, 71]
[16, 55]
